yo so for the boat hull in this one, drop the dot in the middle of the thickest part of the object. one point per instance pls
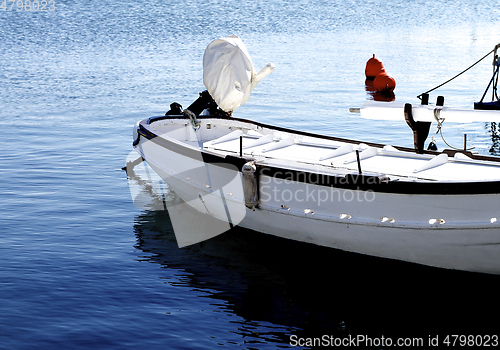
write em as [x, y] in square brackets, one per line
[455, 231]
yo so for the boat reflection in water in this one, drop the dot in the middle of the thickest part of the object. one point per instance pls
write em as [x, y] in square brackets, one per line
[495, 138]
[308, 290]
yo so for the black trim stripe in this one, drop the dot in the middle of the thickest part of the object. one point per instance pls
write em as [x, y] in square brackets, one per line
[378, 184]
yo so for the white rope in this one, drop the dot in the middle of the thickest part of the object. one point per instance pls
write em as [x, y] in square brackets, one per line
[440, 121]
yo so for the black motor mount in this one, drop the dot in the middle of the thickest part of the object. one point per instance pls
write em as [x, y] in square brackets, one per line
[204, 102]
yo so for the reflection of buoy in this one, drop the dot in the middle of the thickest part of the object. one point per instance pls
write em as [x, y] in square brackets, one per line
[383, 82]
[374, 66]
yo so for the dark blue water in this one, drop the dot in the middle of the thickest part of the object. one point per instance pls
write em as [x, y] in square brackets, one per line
[82, 267]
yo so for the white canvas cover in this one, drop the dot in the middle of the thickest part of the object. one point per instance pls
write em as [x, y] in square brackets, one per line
[229, 74]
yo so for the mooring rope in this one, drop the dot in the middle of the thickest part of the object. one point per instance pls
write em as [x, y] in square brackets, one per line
[420, 96]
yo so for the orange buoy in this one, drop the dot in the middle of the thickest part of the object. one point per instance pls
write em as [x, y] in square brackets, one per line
[384, 82]
[374, 66]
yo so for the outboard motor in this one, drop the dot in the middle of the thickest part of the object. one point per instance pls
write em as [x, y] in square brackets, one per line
[229, 77]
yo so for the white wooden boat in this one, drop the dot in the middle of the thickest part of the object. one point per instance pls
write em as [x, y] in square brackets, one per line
[433, 208]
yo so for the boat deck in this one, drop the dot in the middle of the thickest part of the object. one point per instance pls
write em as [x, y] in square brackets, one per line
[331, 154]
[325, 155]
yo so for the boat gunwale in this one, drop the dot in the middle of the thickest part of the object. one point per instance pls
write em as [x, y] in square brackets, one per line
[352, 181]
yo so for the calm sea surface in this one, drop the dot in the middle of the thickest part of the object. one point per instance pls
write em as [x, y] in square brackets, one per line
[83, 268]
